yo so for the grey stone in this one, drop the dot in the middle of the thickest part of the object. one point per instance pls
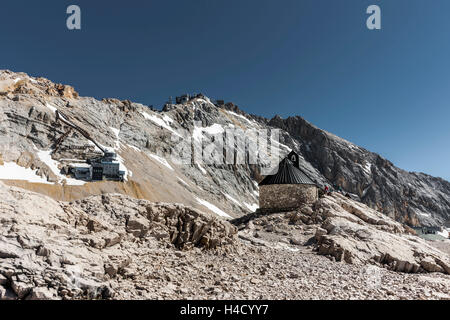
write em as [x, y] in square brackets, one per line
[286, 196]
[138, 225]
[42, 293]
[8, 250]
[21, 289]
[3, 280]
[7, 294]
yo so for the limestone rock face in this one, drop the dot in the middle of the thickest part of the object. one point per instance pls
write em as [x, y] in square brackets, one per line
[143, 136]
[115, 247]
[409, 197]
[13, 84]
[63, 240]
[348, 231]
[51, 250]
[358, 234]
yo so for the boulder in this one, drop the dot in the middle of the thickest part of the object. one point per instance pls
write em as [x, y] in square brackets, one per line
[21, 287]
[8, 249]
[3, 280]
[138, 225]
[430, 265]
[7, 294]
[42, 293]
[355, 233]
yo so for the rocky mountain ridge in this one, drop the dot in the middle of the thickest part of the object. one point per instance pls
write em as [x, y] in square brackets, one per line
[409, 197]
[144, 140]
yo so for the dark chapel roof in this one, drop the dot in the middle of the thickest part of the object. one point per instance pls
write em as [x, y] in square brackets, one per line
[287, 174]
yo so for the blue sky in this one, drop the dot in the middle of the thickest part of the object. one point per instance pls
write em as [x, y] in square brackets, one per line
[385, 90]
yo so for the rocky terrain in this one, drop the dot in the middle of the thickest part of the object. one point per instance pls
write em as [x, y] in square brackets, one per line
[115, 247]
[409, 197]
[188, 229]
[347, 231]
[141, 137]
[147, 141]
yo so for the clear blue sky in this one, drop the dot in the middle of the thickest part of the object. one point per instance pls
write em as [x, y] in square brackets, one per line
[388, 90]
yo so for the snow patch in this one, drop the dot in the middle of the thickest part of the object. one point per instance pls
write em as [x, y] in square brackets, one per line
[214, 129]
[167, 119]
[239, 116]
[212, 207]
[232, 199]
[12, 171]
[122, 167]
[133, 147]
[280, 146]
[201, 100]
[202, 169]
[423, 214]
[116, 132]
[46, 158]
[367, 168]
[182, 181]
[51, 107]
[443, 233]
[161, 160]
[284, 246]
[165, 122]
[251, 207]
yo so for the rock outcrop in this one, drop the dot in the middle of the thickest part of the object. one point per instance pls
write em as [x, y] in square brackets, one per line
[409, 197]
[163, 233]
[143, 139]
[116, 247]
[51, 250]
[355, 233]
[347, 231]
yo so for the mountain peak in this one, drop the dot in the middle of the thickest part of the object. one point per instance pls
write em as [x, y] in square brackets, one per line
[12, 84]
[146, 141]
